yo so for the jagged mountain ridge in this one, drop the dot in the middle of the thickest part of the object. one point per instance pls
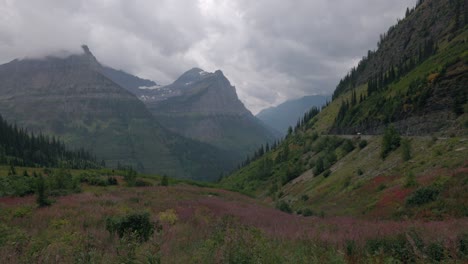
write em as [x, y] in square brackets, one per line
[71, 98]
[204, 106]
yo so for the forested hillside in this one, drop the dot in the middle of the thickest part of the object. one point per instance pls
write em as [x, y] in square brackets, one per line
[416, 79]
[20, 148]
[392, 143]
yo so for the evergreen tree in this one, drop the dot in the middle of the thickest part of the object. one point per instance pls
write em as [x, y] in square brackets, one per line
[391, 141]
[41, 199]
[165, 181]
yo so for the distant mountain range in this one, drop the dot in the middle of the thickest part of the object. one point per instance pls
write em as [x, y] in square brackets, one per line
[76, 99]
[286, 114]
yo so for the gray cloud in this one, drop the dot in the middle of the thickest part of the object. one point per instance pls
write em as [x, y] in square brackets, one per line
[271, 50]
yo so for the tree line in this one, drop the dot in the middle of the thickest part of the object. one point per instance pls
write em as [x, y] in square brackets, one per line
[19, 147]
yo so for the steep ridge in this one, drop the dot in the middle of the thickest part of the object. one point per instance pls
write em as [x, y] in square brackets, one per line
[204, 106]
[387, 174]
[71, 98]
[287, 114]
[417, 76]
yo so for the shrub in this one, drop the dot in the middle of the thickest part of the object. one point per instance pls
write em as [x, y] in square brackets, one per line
[168, 216]
[390, 142]
[397, 246]
[362, 144]
[284, 206]
[136, 223]
[304, 197]
[463, 245]
[112, 181]
[351, 248]
[327, 173]
[319, 168]
[435, 251]
[422, 196]
[405, 149]
[41, 199]
[381, 187]
[307, 212]
[348, 146]
[130, 177]
[165, 181]
[360, 172]
[410, 180]
[142, 183]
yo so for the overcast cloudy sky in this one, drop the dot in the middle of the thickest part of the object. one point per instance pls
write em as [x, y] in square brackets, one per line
[271, 50]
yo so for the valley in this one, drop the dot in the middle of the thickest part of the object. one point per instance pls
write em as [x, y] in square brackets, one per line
[98, 165]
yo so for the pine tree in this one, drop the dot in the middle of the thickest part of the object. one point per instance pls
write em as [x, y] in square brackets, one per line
[41, 199]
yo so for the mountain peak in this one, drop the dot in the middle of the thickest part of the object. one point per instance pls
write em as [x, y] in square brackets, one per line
[192, 75]
[86, 49]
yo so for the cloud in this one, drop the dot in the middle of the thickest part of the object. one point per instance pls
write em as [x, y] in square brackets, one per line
[271, 50]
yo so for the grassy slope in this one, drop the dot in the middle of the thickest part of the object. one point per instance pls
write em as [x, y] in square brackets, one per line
[449, 53]
[206, 225]
[346, 193]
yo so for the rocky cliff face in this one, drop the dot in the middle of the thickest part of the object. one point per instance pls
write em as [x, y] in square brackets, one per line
[71, 98]
[204, 106]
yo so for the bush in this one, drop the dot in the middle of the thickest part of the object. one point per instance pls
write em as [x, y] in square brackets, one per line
[405, 149]
[142, 183]
[410, 180]
[136, 223]
[169, 216]
[463, 245]
[348, 146]
[284, 206]
[304, 197]
[307, 212]
[351, 248]
[360, 172]
[319, 168]
[165, 181]
[362, 144]
[41, 199]
[390, 142]
[422, 196]
[16, 185]
[327, 173]
[130, 177]
[397, 246]
[435, 251]
[112, 181]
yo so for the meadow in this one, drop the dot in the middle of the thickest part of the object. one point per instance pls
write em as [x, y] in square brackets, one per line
[206, 224]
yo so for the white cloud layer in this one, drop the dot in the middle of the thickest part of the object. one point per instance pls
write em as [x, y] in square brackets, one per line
[271, 50]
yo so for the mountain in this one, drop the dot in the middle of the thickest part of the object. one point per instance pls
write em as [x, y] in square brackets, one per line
[416, 77]
[204, 106]
[287, 114]
[393, 142]
[72, 99]
[131, 83]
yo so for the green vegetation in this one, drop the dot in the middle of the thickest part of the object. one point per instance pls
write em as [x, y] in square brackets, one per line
[20, 148]
[405, 149]
[422, 196]
[390, 142]
[42, 199]
[136, 223]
